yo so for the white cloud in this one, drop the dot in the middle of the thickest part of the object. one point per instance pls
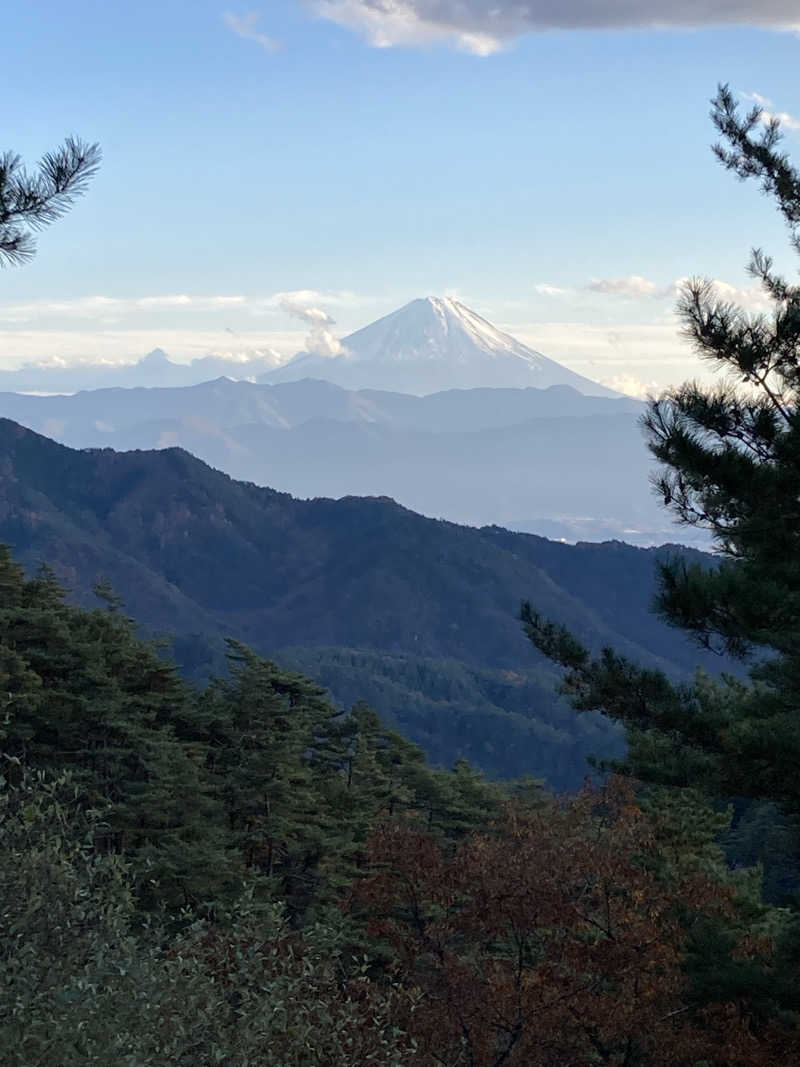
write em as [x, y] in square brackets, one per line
[388, 23]
[751, 298]
[247, 355]
[339, 298]
[312, 315]
[787, 121]
[483, 27]
[653, 353]
[632, 286]
[246, 26]
[543, 289]
[112, 309]
[630, 385]
[83, 344]
[599, 345]
[304, 298]
[300, 305]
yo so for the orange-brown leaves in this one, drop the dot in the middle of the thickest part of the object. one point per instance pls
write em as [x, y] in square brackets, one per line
[553, 941]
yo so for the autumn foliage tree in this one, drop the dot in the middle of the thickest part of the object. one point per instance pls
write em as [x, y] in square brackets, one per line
[557, 939]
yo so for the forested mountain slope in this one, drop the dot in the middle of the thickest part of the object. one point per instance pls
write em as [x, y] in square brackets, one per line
[195, 552]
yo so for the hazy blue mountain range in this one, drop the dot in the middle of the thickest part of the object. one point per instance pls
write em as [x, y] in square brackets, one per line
[93, 417]
[552, 460]
[514, 439]
[153, 370]
[417, 615]
[431, 344]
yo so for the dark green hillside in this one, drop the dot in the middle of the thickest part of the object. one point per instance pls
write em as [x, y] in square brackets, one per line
[505, 721]
[193, 551]
[610, 577]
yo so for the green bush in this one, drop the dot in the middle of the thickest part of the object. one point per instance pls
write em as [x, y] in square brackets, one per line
[84, 980]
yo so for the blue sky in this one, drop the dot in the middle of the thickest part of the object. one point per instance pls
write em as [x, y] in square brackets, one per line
[559, 185]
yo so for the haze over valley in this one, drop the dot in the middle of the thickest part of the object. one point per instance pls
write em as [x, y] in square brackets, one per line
[512, 439]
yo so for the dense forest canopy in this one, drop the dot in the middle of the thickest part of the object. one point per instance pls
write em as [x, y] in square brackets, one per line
[244, 873]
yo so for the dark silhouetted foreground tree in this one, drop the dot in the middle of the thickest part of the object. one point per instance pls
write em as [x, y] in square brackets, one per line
[731, 465]
[29, 202]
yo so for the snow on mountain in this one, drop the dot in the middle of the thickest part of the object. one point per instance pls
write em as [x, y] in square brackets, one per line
[431, 344]
[428, 346]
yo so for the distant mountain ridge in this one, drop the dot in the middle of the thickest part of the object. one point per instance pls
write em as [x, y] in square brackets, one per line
[432, 344]
[192, 551]
[479, 456]
[92, 417]
[155, 369]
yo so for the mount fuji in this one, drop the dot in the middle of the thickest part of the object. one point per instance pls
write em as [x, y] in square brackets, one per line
[431, 344]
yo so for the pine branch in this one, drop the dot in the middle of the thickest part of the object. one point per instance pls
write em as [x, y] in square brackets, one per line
[30, 202]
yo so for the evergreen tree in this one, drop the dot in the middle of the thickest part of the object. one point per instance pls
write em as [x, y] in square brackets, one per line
[81, 692]
[259, 727]
[302, 783]
[257, 775]
[731, 464]
[29, 202]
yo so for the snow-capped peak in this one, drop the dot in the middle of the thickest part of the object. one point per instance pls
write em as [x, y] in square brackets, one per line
[455, 315]
[433, 343]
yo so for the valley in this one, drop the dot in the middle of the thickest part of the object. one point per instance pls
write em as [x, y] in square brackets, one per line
[559, 454]
[416, 615]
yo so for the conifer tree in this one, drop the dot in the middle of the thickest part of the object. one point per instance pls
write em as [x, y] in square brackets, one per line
[730, 459]
[82, 692]
[29, 202]
[276, 770]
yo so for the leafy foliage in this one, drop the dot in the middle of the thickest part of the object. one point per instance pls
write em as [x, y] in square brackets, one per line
[503, 721]
[245, 873]
[559, 938]
[82, 693]
[257, 772]
[83, 982]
